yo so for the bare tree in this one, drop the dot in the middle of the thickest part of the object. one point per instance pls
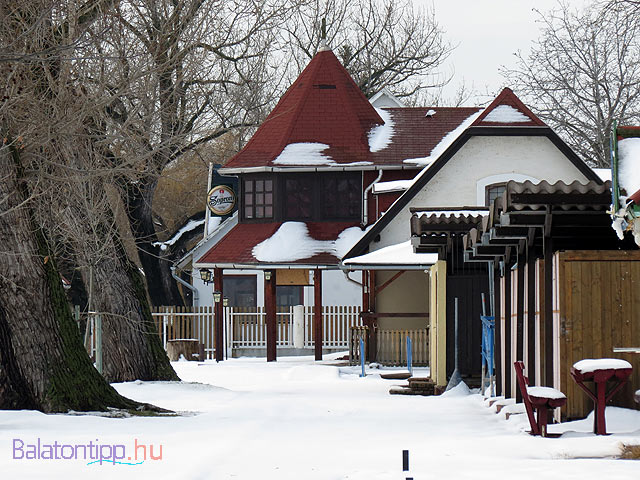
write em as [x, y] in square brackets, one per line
[382, 43]
[43, 364]
[583, 73]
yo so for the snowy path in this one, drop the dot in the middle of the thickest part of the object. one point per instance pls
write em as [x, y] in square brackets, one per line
[297, 420]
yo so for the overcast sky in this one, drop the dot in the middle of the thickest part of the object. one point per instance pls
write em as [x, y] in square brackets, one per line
[487, 33]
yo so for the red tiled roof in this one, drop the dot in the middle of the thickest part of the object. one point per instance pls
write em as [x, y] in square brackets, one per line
[236, 246]
[416, 134]
[507, 97]
[323, 105]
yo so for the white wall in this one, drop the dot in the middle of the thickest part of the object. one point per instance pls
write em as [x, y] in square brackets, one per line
[480, 162]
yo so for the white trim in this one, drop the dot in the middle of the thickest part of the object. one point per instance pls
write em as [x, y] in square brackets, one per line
[390, 96]
[482, 184]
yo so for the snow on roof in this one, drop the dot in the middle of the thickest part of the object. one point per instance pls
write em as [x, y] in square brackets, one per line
[445, 143]
[399, 254]
[506, 114]
[191, 225]
[545, 392]
[292, 242]
[590, 365]
[629, 164]
[430, 113]
[384, 98]
[380, 136]
[391, 186]
[304, 154]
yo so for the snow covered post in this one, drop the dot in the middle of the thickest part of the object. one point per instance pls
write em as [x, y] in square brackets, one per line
[362, 354]
[409, 356]
[298, 326]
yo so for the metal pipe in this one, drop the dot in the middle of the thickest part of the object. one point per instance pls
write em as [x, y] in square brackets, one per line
[196, 298]
[207, 212]
[346, 274]
[365, 200]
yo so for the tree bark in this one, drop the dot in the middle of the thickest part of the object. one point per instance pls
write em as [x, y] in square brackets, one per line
[43, 364]
[162, 289]
[132, 349]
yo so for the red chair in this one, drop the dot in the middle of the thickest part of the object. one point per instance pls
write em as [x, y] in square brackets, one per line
[539, 399]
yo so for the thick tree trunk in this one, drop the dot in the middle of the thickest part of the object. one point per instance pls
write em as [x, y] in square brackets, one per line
[161, 286]
[132, 349]
[43, 364]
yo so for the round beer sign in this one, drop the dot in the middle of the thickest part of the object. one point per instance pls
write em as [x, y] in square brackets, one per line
[221, 200]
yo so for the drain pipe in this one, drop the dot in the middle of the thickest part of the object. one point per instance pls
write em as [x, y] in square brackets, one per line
[365, 200]
[196, 299]
[346, 274]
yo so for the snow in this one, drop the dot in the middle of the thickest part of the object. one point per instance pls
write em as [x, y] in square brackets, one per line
[304, 154]
[545, 392]
[603, 173]
[391, 186]
[445, 143]
[629, 165]
[430, 113]
[214, 223]
[292, 242]
[380, 136]
[191, 225]
[589, 365]
[399, 254]
[506, 114]
[295, 418]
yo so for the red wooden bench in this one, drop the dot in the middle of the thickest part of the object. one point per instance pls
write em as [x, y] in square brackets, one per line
[539, 399]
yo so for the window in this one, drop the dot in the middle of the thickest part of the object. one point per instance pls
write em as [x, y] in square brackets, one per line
[289, 295]
[340, 198]
[258, 198]
[240, 290]
[493, 191]
[298, 197]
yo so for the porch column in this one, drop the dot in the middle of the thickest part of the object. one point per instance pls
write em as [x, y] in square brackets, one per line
[497, 352]
[548, 312]
[373, 348]
[270, 314]
[508, 354]
[531, 313]
[218, 319]
[520, 315]
[317, 313]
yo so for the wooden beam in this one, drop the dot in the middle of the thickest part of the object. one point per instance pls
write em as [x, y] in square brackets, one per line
[270, 314]
[508, 355]
[548, 312]
[395, 315]
[520, 317]
[317, 313]
[218, 316]
[531, 312]
[390, 281]
[372, 339]
[497, 353]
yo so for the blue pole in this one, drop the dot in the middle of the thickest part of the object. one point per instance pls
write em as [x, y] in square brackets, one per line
[409, 356]
[362, 357]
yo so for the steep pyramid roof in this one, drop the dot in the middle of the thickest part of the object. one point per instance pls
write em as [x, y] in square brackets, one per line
[507, 110]
[325, 111]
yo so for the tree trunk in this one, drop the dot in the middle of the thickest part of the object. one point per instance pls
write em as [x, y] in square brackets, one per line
[132, 349]
[161, 286]
[43, 364]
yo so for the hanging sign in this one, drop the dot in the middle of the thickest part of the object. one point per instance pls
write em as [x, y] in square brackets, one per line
[221, 200]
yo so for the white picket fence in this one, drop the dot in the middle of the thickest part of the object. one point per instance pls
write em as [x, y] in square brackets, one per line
[246, 327]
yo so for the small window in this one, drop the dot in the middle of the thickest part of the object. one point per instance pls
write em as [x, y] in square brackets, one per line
[299, 197]
[241, 290]
[493, 191]
[341, 198]
[258, 198]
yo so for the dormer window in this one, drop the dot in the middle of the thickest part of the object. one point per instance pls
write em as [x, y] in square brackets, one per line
[493, 191]
[258, 198]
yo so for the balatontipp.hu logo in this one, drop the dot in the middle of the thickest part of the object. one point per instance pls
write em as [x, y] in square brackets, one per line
[93, 452]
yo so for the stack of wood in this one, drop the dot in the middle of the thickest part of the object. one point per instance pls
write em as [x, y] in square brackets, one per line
[417, 386]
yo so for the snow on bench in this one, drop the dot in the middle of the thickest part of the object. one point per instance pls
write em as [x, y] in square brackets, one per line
[591, 365]
[545, 392]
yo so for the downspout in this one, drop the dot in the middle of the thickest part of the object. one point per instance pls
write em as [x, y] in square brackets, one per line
[188, 285]
[346, 274]
[207, 211]
[365, 200]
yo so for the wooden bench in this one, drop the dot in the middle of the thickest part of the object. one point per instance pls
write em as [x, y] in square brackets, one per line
[538, 399]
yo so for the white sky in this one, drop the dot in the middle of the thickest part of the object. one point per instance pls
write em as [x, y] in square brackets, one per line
[487, 33]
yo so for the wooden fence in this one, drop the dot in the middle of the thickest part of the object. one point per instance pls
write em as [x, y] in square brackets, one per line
[246, 327]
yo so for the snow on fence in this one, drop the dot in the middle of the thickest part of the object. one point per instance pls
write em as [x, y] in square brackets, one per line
[246, 327]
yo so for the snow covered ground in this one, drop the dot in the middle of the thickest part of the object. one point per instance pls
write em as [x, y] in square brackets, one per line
[246, 419]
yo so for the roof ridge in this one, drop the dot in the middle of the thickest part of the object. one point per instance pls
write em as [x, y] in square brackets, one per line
[507, 94]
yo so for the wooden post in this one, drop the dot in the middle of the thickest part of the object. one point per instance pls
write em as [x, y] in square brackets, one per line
[365, 290]
[520, 317]
[548, 311]
[271, 318]
[373, 348]
[508, 357]
[218, 319]
[531, 313]
[497, 353]
[317, 313]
